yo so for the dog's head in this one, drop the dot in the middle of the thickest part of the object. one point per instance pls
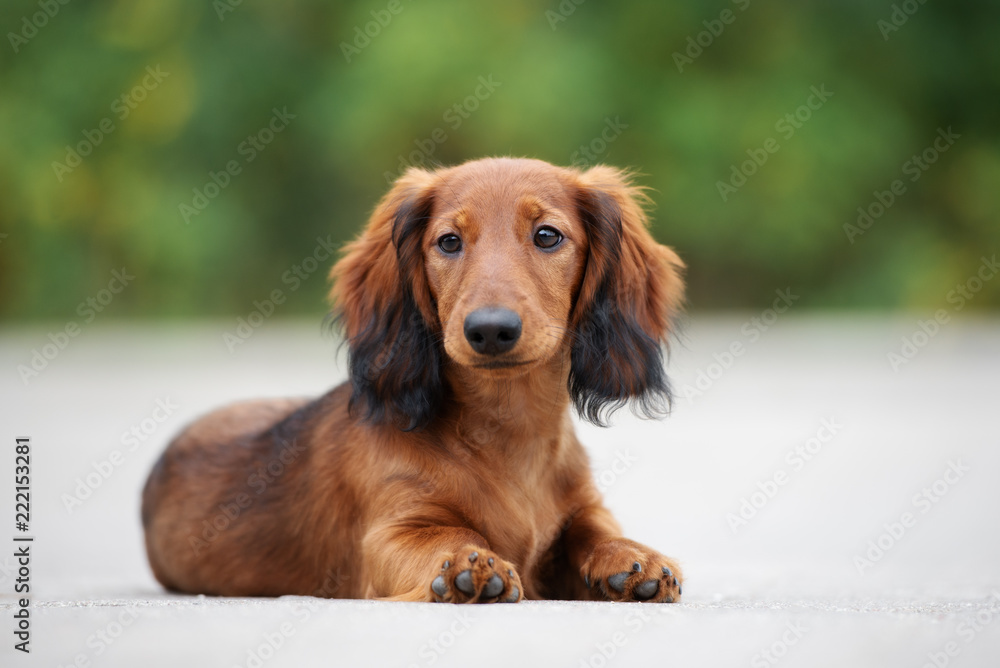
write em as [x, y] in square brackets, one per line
[500, 266]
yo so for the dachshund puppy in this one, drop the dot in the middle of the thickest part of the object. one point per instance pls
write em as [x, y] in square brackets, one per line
[479, 304]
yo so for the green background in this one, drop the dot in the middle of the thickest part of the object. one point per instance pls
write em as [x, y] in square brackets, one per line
[564, 72]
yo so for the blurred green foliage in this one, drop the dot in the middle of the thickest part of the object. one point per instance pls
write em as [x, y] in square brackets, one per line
[566, 73]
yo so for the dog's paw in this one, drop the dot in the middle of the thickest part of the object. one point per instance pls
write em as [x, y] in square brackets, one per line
[475, 575]
[623, 570]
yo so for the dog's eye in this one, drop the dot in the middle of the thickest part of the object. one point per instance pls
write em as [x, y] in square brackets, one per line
[546, 237]
[450, 243]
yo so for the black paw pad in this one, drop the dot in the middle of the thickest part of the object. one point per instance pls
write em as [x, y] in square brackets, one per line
[667, 572]
[473, 557]
[515, 594]
[637, 567]
[646, 590]
[617, 581]
[493, 587]
[439, 586]
[464, 583]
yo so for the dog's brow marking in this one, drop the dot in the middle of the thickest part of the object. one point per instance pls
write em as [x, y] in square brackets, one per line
[530, 207]
[552, 205]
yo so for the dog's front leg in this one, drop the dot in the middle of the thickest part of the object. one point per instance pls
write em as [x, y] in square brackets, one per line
[437, 563]
[615, 568]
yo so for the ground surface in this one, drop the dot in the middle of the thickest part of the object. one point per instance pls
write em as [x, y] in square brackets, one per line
[794, 582]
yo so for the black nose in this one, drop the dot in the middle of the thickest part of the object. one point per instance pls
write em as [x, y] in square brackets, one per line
[492, 331]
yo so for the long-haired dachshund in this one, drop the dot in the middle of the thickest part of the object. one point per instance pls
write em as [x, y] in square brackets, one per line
[479, 303]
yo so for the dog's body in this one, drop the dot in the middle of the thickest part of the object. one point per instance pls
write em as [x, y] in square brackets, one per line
[479, 304]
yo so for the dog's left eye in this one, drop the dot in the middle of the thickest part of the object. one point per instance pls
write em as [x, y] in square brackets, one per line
[450, 243]
[547, 237]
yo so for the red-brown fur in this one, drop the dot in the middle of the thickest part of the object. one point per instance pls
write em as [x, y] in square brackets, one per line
[363, 498]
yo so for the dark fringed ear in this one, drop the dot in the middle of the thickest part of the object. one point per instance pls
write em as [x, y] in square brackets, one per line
[382, 299]
[631, 290]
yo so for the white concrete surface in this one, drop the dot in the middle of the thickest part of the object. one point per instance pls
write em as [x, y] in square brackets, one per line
[783, 589]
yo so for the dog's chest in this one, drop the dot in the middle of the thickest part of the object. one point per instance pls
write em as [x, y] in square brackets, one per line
[524, 522]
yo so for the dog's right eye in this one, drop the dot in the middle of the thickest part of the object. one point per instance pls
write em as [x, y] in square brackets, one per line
[450, 243]
[547, 237]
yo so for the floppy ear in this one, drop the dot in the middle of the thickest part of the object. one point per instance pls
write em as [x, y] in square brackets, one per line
[381, 297]
[631, 290]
